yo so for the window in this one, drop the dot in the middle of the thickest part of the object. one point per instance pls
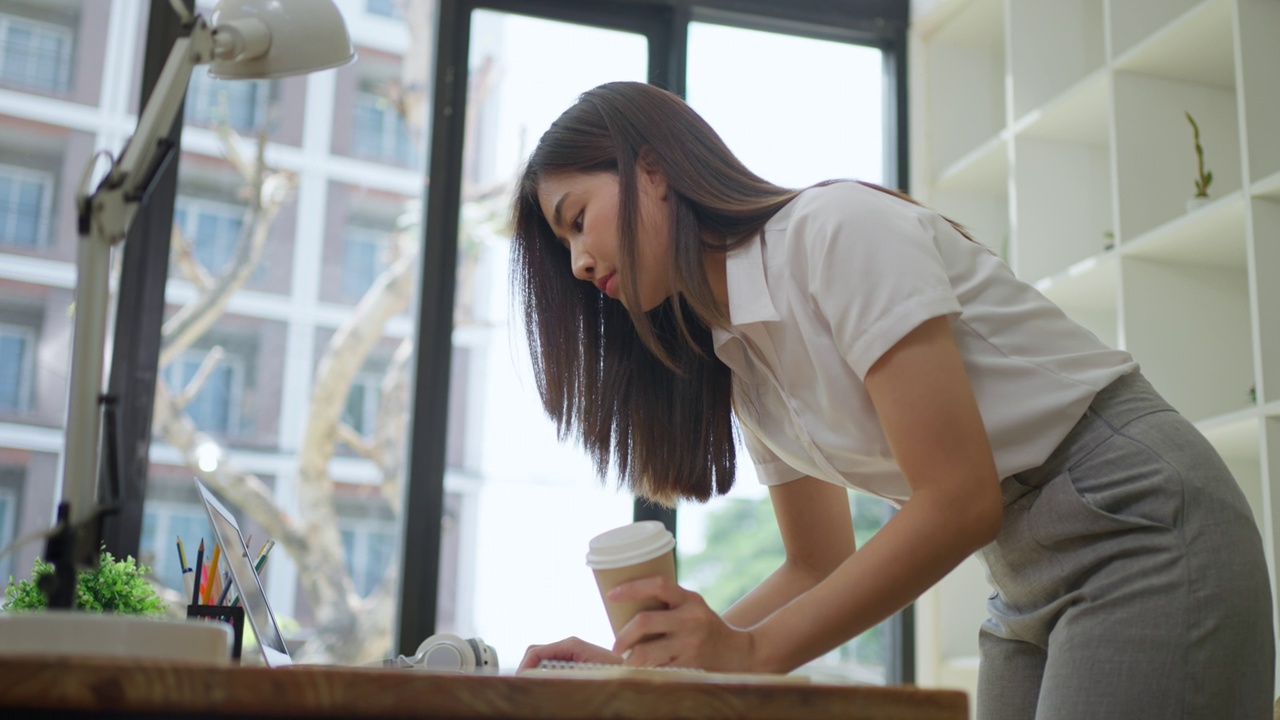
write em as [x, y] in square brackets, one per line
[380, 132]
[16, 350]
[807, 132]
[215, 407]
[361, 411]
[383, 8]
[35, 54]
[163, 523]
[24, 205]
[8, 528]
[364, 257]
[242, 104]
[212, 228]
[370, 547]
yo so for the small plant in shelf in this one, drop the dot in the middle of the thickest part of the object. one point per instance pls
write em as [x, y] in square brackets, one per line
[1203, 178]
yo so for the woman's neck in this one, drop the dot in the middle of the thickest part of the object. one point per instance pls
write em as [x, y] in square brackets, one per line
[717, 278]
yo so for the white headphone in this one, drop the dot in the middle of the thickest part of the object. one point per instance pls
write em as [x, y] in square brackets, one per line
[449, 653]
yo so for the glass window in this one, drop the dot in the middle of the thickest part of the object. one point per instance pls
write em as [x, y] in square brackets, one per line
[537, 501]
[381, 133]
[297, 361]
[163, 524]
[212, 228]
[384, 8]
[793, 126]
[24, 205]
[215, 405]
[364, 258]
[35, 54]
[8, 514]
[242, 104]
[15, 368]
[361, 411]
[369, 548]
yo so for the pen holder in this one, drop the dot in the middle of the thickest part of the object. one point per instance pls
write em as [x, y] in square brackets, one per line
[227, 614]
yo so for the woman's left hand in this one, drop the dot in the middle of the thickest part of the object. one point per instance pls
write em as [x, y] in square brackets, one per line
[687, 634]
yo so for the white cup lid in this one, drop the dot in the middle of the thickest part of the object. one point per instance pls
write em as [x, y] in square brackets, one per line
[629, 544]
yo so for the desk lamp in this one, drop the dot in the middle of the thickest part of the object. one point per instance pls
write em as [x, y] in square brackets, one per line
[243, 39]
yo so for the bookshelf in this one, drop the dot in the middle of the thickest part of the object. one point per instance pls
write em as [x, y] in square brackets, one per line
[1056, 132]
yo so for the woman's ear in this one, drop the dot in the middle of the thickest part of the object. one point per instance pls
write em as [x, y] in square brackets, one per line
[650, 175]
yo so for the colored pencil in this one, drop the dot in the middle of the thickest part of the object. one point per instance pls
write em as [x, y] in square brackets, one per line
[188, 577]
[213, 574]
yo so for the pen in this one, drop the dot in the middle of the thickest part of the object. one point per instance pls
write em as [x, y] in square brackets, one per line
[195, 595]
[226, 587]
[213, 574]
[257, 565]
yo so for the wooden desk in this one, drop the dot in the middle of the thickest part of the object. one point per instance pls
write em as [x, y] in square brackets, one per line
[103, 688]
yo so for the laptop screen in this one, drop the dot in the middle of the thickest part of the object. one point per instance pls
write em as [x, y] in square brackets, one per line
[247, 585]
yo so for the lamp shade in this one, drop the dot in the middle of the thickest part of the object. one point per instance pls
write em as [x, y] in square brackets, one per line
[280, 37]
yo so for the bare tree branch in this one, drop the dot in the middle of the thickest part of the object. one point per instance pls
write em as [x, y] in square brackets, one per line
[210, 361]
[185, 260]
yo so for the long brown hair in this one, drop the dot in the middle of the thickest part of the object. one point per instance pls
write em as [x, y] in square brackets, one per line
[642, 389]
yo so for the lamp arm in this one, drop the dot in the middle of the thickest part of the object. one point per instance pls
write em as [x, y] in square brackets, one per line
[144, 151]
[104, 219]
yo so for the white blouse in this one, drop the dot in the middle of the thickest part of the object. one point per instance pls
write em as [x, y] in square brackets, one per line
[844, 272]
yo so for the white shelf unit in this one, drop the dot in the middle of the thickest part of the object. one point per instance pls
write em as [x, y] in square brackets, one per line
[1057, 132]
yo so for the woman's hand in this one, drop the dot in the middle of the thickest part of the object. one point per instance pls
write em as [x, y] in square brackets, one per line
[687, 634]
[570, 649]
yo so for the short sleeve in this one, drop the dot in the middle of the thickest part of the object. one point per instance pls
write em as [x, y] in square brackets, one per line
[875, 273]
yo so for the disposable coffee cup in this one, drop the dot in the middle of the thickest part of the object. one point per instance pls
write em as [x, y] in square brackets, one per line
[639, 550]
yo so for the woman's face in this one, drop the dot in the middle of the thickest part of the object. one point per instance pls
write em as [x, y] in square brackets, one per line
[582, 210]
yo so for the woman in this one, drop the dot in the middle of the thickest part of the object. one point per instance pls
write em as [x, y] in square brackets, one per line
[863, 342]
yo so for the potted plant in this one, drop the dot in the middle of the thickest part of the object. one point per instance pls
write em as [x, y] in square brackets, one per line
[1203, 177]
[118, 586]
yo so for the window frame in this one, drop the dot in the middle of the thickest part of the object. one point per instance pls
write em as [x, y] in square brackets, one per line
[44, 217]
[198, 107]
[881, 23]
[8, 525]
[233, 363]
[26, 372]
[187, 203]
[66, 35]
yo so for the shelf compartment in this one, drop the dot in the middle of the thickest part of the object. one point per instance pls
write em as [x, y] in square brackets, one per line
[1266, 251]
[1268, 187]
[1259, 22]
[1196, 48]
[1212, 236]
[1080, 114]
[1063, 210]
[1088, 293]
[1051, 47]
[1190, 328]
[984, 216]
[965, 82]
[1156, 164]
[1269, 506]
[984, 170]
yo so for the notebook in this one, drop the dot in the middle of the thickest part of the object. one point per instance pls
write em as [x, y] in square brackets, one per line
[245, 579]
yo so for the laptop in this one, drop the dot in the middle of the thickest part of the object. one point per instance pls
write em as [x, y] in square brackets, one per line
[247, 586]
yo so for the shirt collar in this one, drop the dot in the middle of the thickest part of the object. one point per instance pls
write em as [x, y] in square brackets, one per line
[749, 299]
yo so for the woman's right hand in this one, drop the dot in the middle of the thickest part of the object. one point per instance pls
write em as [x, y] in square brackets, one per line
[570, 649]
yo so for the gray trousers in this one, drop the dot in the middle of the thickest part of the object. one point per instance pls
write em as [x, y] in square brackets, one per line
[1130, 578]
